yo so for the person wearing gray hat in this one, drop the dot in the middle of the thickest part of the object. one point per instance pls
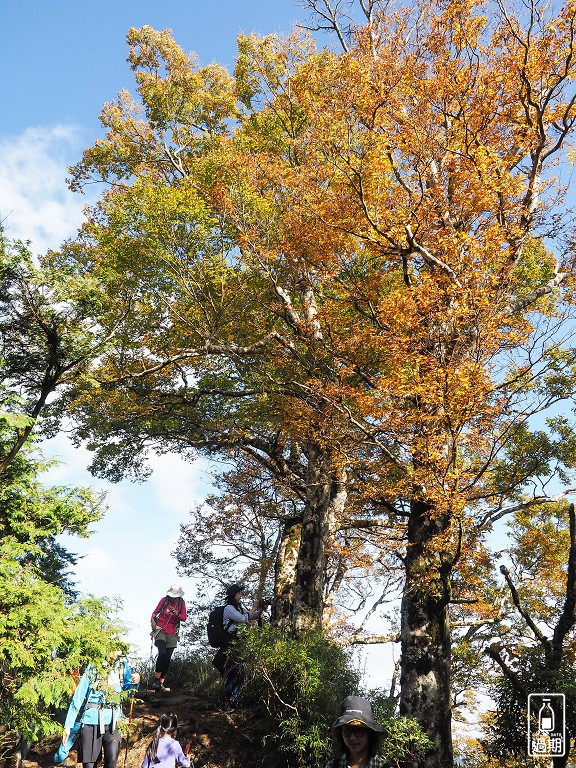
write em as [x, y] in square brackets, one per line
[358, 736]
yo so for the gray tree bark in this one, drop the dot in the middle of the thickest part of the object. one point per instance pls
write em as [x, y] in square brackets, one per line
[425, 633]
[285, 572]
[325, 499]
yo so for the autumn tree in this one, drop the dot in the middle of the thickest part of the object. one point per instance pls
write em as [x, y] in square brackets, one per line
[248, 531]
[230, 387]
[346, 266]
[533, 649]
[410, 179]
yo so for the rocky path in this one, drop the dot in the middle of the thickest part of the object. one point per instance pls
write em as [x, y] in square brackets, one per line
[217, 740]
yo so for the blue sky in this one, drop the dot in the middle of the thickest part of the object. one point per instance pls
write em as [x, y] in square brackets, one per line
[62, 60]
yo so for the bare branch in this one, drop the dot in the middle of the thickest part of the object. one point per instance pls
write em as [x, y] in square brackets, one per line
[552, 285]
[495, 515]
[371, 639]
[329, 19]
[429, 258]
[522, 611]
[508, 672]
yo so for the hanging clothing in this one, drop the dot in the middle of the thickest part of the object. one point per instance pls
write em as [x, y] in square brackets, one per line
[99, 694]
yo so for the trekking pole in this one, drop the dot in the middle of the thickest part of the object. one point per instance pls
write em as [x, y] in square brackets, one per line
[152, 636]
[129, 722]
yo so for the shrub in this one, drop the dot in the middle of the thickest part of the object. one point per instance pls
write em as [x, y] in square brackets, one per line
[298, 686]
[190, 668]
[404, 740]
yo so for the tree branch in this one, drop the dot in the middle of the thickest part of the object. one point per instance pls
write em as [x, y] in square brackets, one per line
[508, 672]
[521, 610]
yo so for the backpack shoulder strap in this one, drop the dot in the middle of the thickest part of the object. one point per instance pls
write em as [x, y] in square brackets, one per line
[161, 611]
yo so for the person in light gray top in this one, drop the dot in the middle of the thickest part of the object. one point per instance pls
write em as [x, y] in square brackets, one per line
[234, 614]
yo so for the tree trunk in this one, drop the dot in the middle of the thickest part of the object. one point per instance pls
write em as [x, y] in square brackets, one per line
[425, 633]
[285, 572]
[325, 495]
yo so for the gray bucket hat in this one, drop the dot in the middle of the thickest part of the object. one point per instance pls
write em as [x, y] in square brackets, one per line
[357, 711]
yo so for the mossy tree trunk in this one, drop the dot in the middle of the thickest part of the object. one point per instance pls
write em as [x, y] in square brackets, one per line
[325, 499]
[285, 572]
[425, 632]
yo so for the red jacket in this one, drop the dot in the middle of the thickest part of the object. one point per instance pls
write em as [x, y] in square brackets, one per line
[167, 617]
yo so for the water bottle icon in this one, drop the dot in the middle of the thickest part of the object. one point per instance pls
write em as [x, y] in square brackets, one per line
[546, 716]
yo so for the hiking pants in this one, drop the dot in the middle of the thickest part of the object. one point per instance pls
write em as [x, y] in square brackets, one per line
[93, 741]
[234, 674]
[163, 658]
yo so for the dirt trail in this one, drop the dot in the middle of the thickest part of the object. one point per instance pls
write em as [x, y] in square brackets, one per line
[217, 740]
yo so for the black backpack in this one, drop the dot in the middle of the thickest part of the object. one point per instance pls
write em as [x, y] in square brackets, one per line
[217, 635]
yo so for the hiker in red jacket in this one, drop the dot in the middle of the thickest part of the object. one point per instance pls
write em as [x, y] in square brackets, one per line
[165, 622]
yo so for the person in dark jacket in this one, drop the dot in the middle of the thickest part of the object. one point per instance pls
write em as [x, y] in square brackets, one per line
[165, 623]
[357, 735]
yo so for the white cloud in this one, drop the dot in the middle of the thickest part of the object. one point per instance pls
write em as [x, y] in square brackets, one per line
[35, 203]
[177, 484]
[92, 564]
[129, 554]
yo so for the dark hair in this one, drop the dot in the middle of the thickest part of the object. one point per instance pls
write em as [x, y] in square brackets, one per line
[373, 742]
[168, 724]
[231, 600]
